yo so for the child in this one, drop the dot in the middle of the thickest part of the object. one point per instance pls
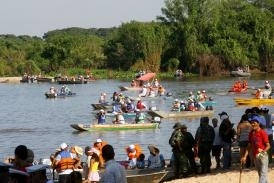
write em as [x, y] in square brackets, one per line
[140, 164]
[93, 175]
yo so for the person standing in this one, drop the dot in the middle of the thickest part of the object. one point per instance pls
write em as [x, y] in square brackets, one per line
[93, 173]
[259, 145]
[204, 138]
[114, 172]
[217, 143]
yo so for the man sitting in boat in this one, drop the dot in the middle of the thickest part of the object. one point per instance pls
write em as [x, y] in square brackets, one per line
[156, 83]
[176, 106]
[267, 89]
[116, 108]
[133, 152]
[140, 116]
[52, 90]
[102, 98]
[259, 94]
[119, 119]
[161, 90]
[130, 107]
[155, 159]
[133, 83]
[140, 105]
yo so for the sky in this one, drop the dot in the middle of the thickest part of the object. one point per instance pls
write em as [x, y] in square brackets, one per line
[36, 17]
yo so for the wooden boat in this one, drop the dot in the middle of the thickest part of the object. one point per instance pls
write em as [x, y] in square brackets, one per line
[254, 101]
[59, 95]
[105, 106]
[126, 115]
[240, 74]
[114, 127]
[65, 82]
[181, 114]
[146, 175]
[44, 79]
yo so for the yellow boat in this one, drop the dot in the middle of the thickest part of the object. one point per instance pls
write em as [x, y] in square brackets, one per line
[254, 101]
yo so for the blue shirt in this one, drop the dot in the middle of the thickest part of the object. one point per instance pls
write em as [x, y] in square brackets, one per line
[114, 173]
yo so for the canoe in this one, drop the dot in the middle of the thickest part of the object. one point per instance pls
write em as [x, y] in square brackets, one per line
[182, 114]
[254, 101]
[128, 88]
[240, 74]
[104, 106]
[146, 175]
[114, 127]
[126, 115]
[65, 82]
[44, 79]
[59, 95]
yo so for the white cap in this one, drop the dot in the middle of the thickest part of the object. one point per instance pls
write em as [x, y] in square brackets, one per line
[137, 110]
[131, 146]
[176, 100]
[203, 91]
[102, 110]
[63, 146]
[99, 140]
[266, 82]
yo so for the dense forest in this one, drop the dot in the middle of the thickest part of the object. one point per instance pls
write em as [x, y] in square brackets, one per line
[208, 37]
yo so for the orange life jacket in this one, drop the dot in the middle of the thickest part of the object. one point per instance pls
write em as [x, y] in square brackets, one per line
[66, 162]
[134, 154]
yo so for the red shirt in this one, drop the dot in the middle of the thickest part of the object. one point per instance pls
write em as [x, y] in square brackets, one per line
[258, 139]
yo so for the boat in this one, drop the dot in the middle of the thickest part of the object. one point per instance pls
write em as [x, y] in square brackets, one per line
[105, 106]
[140, 80]
[77, 81]
[254, 101]
[146, 175]
[126, 115]
[240, 73]
[44, 79]
[181, 114]
[59, 95]
[114, 127]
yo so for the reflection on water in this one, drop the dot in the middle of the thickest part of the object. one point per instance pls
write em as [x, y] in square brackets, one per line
[42, 124]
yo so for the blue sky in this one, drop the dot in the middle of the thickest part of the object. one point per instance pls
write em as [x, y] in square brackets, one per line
[36, 17]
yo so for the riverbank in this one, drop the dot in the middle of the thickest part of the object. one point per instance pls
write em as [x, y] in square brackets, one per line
[10, 79]
[231, 176]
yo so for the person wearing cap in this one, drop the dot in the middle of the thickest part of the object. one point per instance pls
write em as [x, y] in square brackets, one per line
[227, 133]
[267, 90]
[101, 116]
[155, 159]
[114, 172]
[133, 152]
[99, 144]
[259, 145]
[64, 164]
[217, 143]
[179, 161]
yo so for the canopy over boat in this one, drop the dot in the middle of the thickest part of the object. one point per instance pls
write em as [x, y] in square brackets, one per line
[146, 77]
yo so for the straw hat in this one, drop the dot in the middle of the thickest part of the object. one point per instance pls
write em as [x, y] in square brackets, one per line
[153, 149]
[78, 150]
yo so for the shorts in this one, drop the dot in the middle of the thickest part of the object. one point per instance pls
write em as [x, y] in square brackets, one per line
[94, 176]
[216, 150]
[243, 143]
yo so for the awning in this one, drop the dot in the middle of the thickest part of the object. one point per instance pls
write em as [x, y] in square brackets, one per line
[146, 77]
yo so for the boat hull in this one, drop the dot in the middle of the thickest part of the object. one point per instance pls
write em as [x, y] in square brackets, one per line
[182, 114]
[240, 74]
[59, 95]
[146, 175]
[114, 127]
[253, 101]
[65, 82]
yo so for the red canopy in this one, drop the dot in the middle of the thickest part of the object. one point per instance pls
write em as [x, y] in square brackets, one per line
[146, 77]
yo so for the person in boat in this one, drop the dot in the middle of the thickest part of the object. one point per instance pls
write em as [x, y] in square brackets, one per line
[151, 92]
[64, 164]
[155, 159]
[119, 119]
[62, 90]
[161, 90]
[176, 106]
[133, 83]
[143, 92]
[133, 152]
[103, 98]
[267, 89]
[156, 83]
[77, 152]
[116, 108]
[52, 90]
[205, 97]
[140, 105]
[140, 116]
[114, 172]
[101, 116]
[140, 163]
[130, 107]
[200, 99]
[259, 94]
[115, 96]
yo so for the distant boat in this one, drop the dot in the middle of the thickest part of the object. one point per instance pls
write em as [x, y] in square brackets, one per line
[240, 74]
[77, 81]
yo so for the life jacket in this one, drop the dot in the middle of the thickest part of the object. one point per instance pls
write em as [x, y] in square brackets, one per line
[66, 162]
[140, 105]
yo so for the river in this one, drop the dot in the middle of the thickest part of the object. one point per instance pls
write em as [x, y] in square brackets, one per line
[41, 124]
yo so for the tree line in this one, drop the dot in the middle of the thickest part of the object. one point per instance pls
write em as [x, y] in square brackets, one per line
[208, 37]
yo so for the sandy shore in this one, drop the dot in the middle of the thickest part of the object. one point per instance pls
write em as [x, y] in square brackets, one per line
[10, 79]
[232, 176]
